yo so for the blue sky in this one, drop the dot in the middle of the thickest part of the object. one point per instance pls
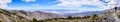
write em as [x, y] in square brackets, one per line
[59, 4]
[39, 4]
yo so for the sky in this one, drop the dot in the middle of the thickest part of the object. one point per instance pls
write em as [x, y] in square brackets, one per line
[77, 5]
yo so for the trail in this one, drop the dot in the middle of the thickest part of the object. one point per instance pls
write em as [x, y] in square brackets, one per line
[114, 17]
[6, 19]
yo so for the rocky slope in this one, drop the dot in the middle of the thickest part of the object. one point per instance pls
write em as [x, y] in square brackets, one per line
[20, 15]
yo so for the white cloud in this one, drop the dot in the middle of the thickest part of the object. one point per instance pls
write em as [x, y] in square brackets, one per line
[29, 0]
[79, 3]
[35, 5]
[3, 3]
[118, 4]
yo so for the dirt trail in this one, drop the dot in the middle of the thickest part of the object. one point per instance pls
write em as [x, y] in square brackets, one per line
[114, 17]
[6, 19]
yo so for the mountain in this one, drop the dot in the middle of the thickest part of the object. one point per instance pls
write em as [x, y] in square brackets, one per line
[28, 16]
[90, 13]
[21, 15]
[38, 14]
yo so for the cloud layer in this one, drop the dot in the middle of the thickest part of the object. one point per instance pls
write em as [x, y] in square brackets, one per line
[80, 3]
[3, 3]
[29, 0]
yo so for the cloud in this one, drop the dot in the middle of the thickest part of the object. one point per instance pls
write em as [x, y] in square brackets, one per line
[29, 0]
[4, 3]
[118, 4]
[80, 3]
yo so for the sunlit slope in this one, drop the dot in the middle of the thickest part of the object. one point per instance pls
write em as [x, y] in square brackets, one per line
[21, 16]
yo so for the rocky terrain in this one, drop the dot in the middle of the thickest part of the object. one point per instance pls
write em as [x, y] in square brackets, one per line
[39, 16]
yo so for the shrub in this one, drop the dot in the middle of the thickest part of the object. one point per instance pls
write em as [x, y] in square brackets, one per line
[69, 17]
[34, 20]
